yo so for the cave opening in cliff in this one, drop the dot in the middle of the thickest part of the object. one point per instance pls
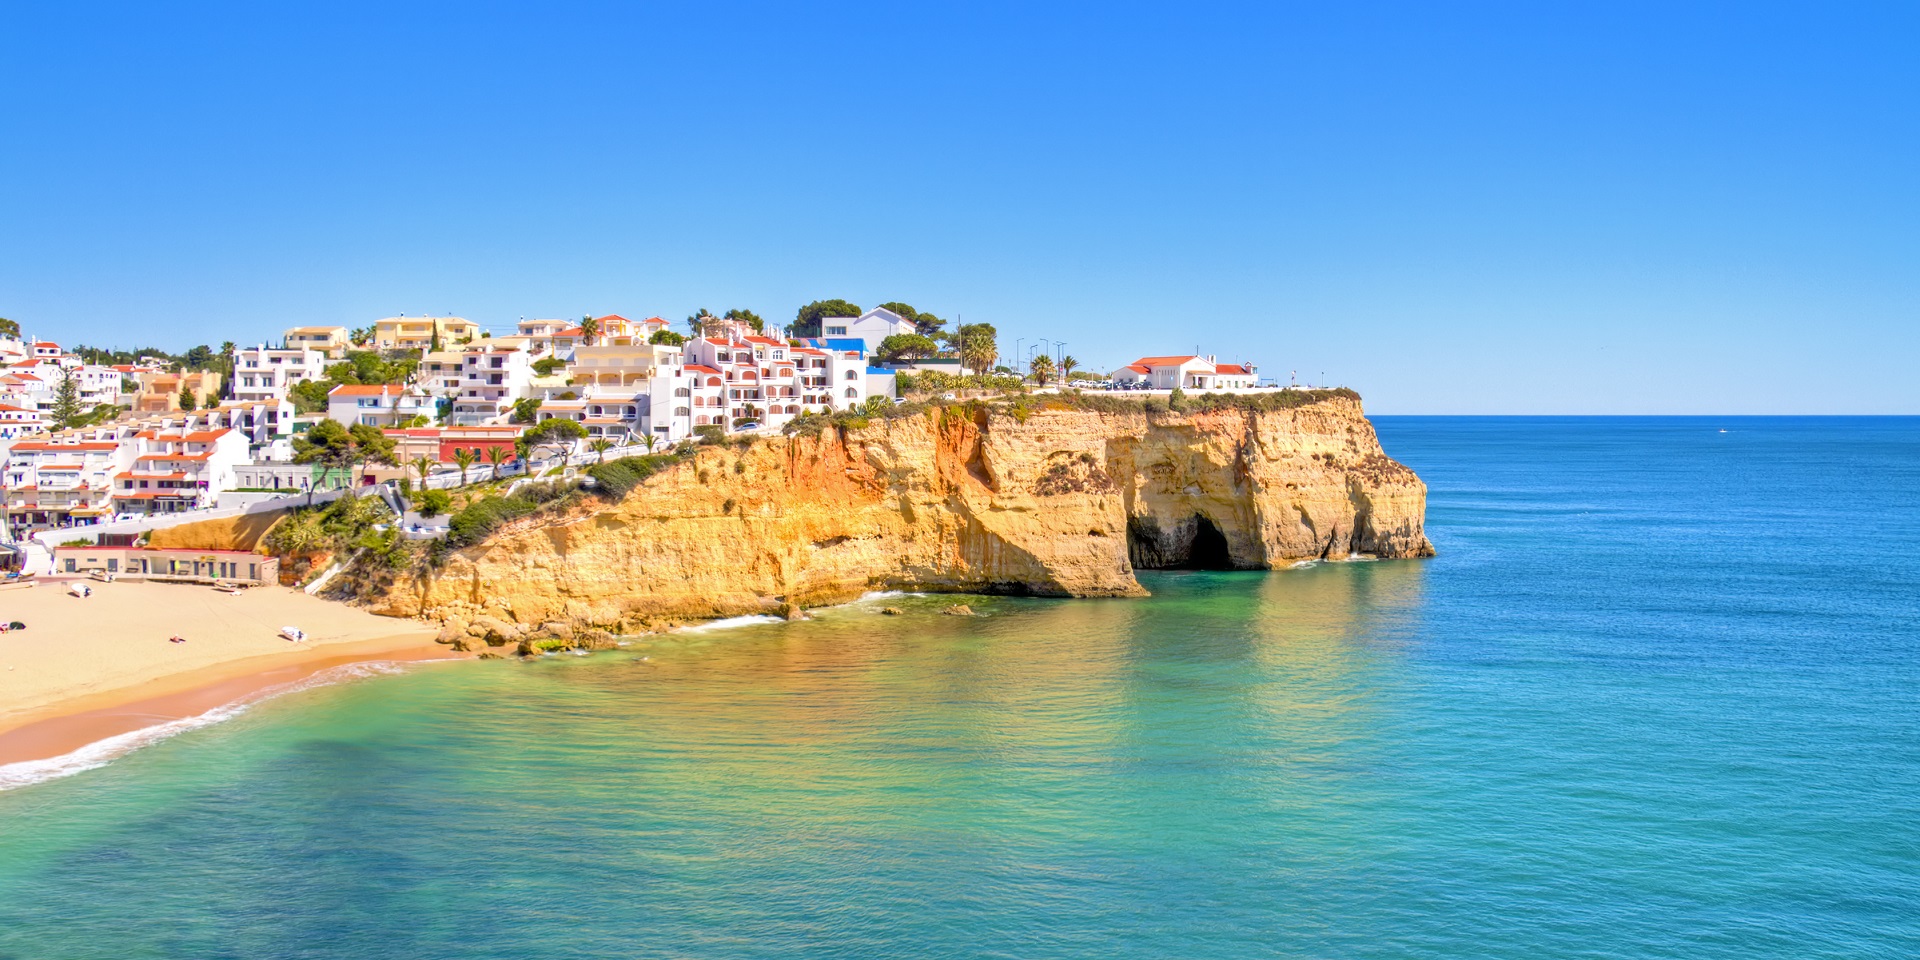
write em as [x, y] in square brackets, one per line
[1209, 549]
[1151, 549]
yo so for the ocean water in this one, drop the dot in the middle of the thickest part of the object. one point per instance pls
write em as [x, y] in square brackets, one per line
[1656, 697]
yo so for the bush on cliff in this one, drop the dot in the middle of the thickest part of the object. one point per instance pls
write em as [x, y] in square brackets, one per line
[482, 517]
[615, 479]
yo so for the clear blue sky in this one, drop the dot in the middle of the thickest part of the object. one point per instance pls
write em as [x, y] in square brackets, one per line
[1454, 208]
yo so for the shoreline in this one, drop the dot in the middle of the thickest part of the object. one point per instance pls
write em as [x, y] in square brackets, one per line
[61, 728]
[87, 670]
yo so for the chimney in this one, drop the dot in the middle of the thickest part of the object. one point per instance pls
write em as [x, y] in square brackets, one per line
[1210, 358]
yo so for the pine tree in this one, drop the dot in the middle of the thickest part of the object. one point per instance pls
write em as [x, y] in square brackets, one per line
[66, 400]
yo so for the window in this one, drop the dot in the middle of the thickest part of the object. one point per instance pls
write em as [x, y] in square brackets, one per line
[849, 374]
[851, 392]
[836, 331]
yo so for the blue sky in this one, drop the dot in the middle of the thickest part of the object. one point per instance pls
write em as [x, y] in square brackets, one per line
[1454, 208]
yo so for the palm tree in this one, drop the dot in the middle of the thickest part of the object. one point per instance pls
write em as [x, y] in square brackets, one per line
[1042, 369]
[466, 458]
[649, 439]
[589, 329]
[496, 456]
[424, 465]
[600, 446]
[1067, 363]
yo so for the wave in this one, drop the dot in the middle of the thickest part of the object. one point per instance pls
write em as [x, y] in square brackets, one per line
[752, 619]
[98, 754]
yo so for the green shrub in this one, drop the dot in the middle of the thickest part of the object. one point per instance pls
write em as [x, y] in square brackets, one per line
[710, 433]
[433, 503]
[483, 517]
[615, 478]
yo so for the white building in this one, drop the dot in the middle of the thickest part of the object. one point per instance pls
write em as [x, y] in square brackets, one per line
[493, 375]
[267, 373]
[172, 472]
[870, 328]
[1186, 372]
[377, 405]
[62, 481]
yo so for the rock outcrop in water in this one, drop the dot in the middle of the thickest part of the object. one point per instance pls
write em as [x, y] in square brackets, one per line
[1059, 501]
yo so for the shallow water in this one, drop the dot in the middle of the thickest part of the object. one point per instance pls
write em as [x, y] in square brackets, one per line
[1657, 697]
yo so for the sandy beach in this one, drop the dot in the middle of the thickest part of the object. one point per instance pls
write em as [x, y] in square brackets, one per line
[94, 667]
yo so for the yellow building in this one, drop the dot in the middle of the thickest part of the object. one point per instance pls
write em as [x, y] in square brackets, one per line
[160, 392]
[332, 341]
[416, 333]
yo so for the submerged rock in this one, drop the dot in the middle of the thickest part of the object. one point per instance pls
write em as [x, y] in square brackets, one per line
[958, 610]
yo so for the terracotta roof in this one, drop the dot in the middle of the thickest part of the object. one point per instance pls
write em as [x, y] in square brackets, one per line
[1137, 368]
[367, 389]
[1230, 368]
[181, 475]
[612, 318]
[62, 466]
[700, 368]
[571, 332]
[172, 456]
[766, 340]
[155, 494]
[1162, 361]
[44, 445]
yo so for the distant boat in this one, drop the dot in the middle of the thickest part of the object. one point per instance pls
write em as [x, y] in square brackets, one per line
[1723, 431]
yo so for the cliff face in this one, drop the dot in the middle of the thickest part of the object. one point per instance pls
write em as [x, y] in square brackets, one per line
[1060, 502]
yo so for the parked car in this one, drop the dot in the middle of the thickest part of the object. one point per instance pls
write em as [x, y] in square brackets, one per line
[749, 425]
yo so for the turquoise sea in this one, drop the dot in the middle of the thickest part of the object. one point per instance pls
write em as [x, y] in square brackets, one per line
[1658, 696]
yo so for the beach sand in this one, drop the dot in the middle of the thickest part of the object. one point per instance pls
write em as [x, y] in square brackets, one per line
[94, 667]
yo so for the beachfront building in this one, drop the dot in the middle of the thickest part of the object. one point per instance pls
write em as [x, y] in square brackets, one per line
[378, 405]
[494, 373]
[1186, 372]
[173, 472]
[62, 481]
[163, 563]
[330, 342]
[268, 373]
[755, 379]
[419, 333]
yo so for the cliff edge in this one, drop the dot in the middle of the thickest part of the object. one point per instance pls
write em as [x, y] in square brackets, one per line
[1050, 499]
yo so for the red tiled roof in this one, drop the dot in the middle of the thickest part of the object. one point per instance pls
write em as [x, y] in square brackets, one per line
[1230, 368]
[180, 475]
[43, 445]
[572, 332]
[1162, 361]
[367, 389]
[766, 340]
[699, 368]
[612, 318]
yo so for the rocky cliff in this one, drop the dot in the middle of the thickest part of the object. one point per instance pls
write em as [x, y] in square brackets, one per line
[1061, 501]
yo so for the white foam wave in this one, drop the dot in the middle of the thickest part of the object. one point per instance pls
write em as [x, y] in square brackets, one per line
[1302, 564]
[101, 752]
[880, 595]
[730, 623]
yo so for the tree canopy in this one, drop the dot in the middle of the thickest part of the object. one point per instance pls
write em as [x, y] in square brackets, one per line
[927, 322]
[907, 346]
[555, 431]
[9, 328]
[668, 337]
[806, 322]
[747, 317]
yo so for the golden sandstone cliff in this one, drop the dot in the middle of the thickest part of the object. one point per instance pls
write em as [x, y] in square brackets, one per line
[1054, 501]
